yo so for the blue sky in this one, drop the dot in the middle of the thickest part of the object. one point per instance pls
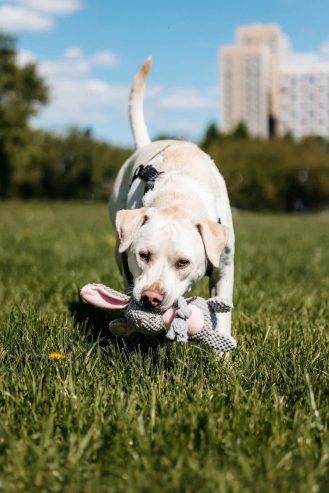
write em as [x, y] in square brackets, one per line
[89, 50]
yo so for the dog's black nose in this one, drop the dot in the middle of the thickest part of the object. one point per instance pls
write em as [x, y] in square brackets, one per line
[153, 296]
[152, 300]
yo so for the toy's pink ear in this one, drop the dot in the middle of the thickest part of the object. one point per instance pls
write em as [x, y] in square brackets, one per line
[104, 297]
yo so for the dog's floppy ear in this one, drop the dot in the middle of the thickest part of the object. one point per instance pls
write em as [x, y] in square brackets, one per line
[214, 237]
[127, 223]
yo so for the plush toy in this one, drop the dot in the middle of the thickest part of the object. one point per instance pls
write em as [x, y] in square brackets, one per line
[191, 319]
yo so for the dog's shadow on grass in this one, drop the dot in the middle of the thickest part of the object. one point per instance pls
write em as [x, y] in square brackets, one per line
[95, 325]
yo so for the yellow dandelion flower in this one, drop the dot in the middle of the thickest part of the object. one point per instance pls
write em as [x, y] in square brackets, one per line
[111, 241]
[56, 356]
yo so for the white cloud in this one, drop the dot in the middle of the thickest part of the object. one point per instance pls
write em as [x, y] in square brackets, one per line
[83, 102]
[17, 18]
[324, 49]
[105, 59]
[154, 91]
[74, 64]
[73, 52]
[53, 6]
[182, 127]
[34, 15]
[64, 68]
[76, 96]
[24, 57]
[186, 98]
[302, 58]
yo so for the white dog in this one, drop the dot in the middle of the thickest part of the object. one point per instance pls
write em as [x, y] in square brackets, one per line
[172, 215]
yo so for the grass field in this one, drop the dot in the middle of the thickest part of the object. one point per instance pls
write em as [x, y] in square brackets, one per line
[149, 416]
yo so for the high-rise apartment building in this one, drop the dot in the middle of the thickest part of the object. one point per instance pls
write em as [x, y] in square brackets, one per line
[245, 88]
[278, 44]
[250, 78]
[269, 89]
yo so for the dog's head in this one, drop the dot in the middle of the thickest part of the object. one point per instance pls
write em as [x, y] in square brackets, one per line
[166, 253]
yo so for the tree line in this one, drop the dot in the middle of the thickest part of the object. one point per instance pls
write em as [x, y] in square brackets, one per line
[275, 175]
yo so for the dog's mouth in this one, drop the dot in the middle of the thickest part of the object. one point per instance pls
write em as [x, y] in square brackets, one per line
[161, 308]
[164, 308]
[155, 309]
[136, 292]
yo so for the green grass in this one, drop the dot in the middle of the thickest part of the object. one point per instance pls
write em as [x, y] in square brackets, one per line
[149, 416]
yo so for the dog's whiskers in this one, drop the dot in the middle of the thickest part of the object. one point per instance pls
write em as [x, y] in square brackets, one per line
[129, 290]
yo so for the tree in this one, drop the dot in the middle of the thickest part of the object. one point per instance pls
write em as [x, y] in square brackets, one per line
[22, 91]
[212, 135]
[240, 131]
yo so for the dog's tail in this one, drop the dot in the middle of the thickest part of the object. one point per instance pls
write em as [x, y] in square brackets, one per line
[136, 113]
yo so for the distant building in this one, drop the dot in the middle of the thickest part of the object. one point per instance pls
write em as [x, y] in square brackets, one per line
[304, 99]
[250, 78]
[245, 88]
[269, 90]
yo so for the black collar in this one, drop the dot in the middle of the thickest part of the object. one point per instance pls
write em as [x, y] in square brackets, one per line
[209, 269]
[126, 271]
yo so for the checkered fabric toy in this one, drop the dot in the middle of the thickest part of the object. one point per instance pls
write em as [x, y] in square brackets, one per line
[191, 319]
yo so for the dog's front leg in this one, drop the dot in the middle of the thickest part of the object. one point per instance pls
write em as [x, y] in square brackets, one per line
[221, 284]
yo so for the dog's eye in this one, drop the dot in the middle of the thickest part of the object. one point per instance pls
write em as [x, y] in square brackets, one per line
[145, 256]
[182, 263]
